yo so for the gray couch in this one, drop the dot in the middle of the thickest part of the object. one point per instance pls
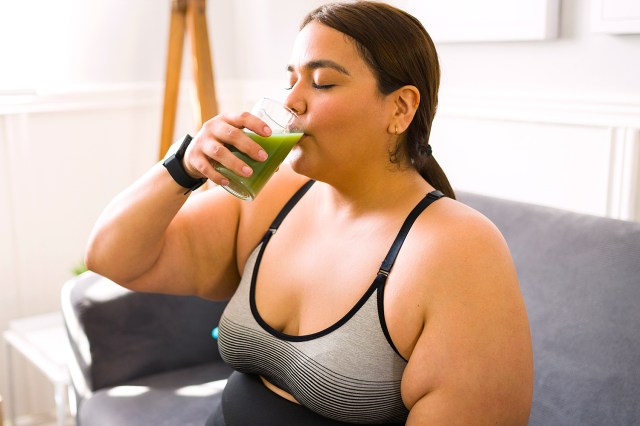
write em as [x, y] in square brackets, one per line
[147, 359]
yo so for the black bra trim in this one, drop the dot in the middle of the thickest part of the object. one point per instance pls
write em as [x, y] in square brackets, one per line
[377, 284]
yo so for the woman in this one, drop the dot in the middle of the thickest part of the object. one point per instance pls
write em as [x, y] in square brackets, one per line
[334, 319]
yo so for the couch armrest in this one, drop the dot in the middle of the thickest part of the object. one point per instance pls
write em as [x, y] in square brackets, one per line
[118, 335]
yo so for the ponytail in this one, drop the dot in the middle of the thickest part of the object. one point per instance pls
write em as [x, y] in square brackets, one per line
[433, 173]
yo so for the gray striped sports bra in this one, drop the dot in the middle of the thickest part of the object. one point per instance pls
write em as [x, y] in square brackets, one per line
[350, 372]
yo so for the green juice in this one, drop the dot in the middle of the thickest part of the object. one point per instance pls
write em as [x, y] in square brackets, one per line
[277, 146]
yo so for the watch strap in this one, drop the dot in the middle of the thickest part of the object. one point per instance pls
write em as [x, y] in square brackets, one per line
[175, 167]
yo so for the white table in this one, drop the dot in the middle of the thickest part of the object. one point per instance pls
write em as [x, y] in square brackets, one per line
[42, 341]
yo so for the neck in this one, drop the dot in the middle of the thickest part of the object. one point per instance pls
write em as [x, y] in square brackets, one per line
[374, 192]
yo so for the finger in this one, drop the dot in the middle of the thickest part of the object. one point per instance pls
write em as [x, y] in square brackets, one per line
[225, 156]
[232, 136]
[205, 167]
[196, 161]
[248, 121]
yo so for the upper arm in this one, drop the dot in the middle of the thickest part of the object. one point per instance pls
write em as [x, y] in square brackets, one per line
[211, 237]
[472, 363]
[198, 254]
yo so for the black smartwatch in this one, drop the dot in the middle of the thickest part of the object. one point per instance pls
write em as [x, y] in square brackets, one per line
[176, 168]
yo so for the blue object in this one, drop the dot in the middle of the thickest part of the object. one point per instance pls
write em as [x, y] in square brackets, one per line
[214, 333]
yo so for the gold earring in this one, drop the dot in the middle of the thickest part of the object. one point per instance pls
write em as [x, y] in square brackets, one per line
[396, 130]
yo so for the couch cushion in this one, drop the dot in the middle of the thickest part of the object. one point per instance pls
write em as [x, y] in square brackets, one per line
[580, 278]
[181, 397]
[131, 334]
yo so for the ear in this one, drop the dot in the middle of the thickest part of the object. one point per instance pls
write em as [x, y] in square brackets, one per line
[405, 101]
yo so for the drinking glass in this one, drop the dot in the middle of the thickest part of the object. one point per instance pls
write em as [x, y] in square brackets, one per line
[286, 130]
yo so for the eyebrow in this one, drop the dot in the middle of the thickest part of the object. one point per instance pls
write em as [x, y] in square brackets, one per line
[322, 63]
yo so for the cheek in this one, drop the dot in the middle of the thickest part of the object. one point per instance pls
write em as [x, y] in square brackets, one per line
[331, 113]
[346, 118]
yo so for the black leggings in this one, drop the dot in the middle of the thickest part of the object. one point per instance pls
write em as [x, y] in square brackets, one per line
[246, 401]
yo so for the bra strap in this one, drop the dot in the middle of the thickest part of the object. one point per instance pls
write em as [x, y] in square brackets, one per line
[390, 259]
[290, 204]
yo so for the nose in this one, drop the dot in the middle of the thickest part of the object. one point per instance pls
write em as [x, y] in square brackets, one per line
[295, 101]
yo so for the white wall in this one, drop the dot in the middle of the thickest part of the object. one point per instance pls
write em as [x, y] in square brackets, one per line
[554, 122]
[578, 61]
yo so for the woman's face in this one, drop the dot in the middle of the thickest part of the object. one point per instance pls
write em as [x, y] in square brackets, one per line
[336, 94]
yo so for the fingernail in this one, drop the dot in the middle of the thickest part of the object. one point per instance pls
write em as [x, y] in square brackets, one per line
[262, 155]
[246, 170]
[224, 182]
[267, 130]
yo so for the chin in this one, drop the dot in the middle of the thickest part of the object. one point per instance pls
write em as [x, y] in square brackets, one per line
[296, 162]
[301, 162]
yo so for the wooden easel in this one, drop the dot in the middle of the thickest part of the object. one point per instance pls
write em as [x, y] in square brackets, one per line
[189, 15]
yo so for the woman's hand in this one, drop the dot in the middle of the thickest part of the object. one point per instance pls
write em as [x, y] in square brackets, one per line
[211, 145]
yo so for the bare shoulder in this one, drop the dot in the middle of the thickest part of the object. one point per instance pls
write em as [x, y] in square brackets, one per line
[473, 353]
[450, 238]
[455, 218]
[451, 233]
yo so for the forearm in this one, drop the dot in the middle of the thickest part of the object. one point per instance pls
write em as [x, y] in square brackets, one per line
[136, 241]
[129, 235]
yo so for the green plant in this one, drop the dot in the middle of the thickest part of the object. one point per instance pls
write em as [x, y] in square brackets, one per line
[79, 268]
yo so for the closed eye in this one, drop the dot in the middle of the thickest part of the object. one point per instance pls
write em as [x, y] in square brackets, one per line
[322, 86]
[315, 86]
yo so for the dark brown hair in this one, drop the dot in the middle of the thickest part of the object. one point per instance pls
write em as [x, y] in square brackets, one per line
[400, 52]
